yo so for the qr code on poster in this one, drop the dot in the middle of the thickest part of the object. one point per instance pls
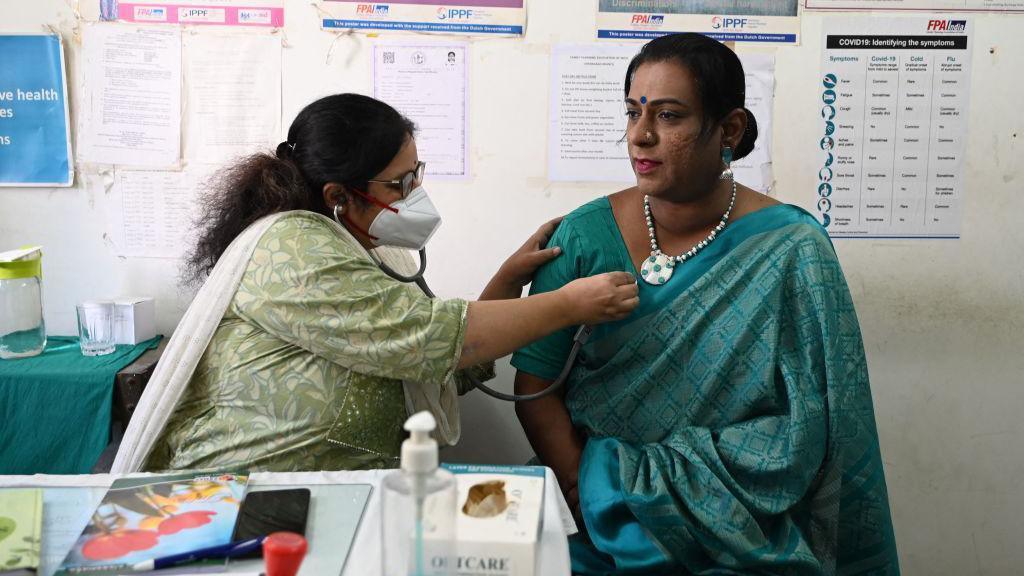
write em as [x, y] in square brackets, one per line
[389, 57]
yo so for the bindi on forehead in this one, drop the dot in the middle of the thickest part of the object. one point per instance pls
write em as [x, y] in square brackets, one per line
[643, 99]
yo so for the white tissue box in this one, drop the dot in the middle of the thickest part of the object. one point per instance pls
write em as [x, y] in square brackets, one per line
[504, 543]
[134, 320]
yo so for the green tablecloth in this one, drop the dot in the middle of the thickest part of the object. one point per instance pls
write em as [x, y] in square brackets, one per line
[55, 407]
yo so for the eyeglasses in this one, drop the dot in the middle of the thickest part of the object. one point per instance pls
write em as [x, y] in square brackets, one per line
[408, 181]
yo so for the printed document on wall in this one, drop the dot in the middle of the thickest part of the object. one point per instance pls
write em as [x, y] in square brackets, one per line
[587, 131]
[233, 88]
[428, 84]
[132, 106]
[586, 137]
[152, 212]
[755, 169]
[894, 99]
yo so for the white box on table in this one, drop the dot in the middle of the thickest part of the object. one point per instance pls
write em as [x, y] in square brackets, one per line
[134, 320]
[506, 541]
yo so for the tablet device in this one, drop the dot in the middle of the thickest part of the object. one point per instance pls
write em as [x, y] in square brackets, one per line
[268, 511]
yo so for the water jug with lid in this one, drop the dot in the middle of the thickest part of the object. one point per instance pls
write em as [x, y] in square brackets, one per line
[22, 331]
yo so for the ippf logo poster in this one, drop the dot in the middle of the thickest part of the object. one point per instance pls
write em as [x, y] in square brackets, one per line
[468, 17]
[766, 22]
[261, 13]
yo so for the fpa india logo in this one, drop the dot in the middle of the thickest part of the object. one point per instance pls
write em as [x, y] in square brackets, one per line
[947, 25]
[150, 13]
[648, 19]
[373, 9]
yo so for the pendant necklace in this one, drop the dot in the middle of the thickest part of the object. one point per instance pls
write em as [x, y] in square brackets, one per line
[658, 268]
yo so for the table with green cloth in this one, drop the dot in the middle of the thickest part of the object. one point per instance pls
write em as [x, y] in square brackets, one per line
[55, 407]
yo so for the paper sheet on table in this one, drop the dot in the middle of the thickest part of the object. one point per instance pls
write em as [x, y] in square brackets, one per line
[65, 513]
[132, 85]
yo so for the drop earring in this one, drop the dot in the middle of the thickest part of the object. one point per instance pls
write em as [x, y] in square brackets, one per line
[727, 160]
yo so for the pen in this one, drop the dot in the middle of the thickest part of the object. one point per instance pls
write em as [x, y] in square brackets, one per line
[228, 550]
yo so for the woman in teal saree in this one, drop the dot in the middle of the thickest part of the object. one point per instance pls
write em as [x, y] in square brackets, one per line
[726, 426]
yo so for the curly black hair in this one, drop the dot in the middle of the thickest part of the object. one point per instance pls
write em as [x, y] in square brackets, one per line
[345, 138]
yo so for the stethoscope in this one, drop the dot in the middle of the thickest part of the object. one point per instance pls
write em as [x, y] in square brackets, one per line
[577, 342]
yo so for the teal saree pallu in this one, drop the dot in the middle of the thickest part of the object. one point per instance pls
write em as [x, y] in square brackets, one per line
[729, 422]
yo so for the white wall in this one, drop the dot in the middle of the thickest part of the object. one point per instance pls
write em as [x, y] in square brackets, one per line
[940, 318]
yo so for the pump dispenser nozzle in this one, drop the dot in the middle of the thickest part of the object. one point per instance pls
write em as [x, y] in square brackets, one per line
[419, 452]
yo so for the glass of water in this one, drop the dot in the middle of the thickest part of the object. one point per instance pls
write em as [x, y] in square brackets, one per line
[96, 327]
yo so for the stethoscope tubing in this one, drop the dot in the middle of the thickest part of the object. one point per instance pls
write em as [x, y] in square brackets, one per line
[578, 340]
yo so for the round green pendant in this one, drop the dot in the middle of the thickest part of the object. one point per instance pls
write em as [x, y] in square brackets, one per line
[657, 269]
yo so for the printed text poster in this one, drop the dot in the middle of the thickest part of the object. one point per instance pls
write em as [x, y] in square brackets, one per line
[243, 13]
[35, 140]
[760, 21]
[470, 17]
[428, 84]
[233, 85]
[894, 99]
[132, 110]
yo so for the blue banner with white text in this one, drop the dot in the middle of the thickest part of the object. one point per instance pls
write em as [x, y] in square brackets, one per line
[35, 138]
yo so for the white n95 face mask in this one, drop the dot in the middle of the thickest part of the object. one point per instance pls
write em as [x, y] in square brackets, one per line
[407, 223]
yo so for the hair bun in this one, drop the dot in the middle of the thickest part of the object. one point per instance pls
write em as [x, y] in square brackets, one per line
[746, 143]
[284, 150]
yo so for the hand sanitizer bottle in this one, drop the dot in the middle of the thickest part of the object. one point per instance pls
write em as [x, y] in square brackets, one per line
[419, 508]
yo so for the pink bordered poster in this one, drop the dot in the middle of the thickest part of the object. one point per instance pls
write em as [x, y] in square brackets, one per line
[245, 13]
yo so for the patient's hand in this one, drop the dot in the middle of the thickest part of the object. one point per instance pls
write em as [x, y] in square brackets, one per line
[518, 269]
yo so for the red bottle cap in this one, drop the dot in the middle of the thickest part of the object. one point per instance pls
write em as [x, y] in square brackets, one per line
[283, 553]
